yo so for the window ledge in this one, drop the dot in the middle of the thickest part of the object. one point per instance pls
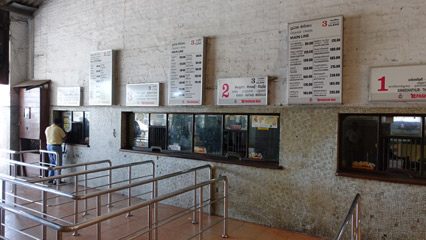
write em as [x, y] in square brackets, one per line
[402, 178]
[208, 158]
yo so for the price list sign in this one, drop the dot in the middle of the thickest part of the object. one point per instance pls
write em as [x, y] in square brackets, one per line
[68, 96]
[401, 83]
[242, 91]
[100, 80]
[142, 94]
[187, 72]
[315, 61]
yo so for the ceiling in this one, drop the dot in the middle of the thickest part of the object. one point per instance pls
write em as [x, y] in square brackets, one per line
[22, 7]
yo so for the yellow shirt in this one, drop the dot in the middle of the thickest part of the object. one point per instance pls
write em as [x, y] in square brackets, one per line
[54, 134]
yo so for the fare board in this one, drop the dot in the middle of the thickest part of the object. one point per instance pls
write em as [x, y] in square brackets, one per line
[402, 83]
[242, 91]
[315, 61]
[68, 96]
[142, 94]
[186, 75]
[101, 78]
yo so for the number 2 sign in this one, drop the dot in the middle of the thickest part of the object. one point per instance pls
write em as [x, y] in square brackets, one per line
[242, 91]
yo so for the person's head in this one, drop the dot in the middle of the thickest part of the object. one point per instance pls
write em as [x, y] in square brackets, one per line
[57, 121]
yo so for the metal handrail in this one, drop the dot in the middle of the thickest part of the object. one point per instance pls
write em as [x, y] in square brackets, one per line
[354, 213]
[148, 203]
[75, 196]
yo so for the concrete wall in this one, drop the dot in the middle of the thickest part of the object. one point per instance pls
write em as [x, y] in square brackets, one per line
[247, 38]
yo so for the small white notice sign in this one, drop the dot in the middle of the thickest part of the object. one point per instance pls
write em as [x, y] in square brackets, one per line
[187, 72]
[401, 83]
[242, 91]
[68, 96]
[315, 61]
[142, 94]
[101, 76]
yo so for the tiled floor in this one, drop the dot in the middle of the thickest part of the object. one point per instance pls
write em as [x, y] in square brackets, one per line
[115, 228]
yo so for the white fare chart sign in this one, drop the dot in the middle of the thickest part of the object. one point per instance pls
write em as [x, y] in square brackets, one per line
[401, 83]
[187, 72]
[68, 96]
[101, 76]
[315, 61]
[242, 91]
[143, 94]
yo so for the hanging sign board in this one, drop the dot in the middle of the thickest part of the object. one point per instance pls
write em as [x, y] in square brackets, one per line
[187, 72]
[101, 76]
[143, 94]
[68, 96]
[315, 61]
[402, 83]
[242, 91]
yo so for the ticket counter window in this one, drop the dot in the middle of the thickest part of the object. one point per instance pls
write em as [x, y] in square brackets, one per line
[76, 124]
[157, 131]
[264, 137]
[208, 134]
[180, 132]
[359, 142]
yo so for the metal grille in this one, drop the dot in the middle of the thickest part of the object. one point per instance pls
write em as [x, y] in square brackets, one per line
[157, 137]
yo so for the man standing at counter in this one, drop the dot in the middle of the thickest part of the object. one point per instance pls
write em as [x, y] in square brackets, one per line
[54, 137]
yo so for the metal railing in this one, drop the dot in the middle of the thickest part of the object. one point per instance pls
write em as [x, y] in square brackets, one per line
[76, 197]
[354, 213]
[152, 224]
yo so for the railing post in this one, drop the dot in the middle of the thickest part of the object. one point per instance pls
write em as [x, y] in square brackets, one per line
[98, 213]
[154, 195]
[2, 212]
[58, 235]
[225, 208]
[358, 219]
[85, 191]
[150, 206]
[200, 217]
[129, 192]
[109, 185]
[75, 204]
[194, 213]
[44, 211]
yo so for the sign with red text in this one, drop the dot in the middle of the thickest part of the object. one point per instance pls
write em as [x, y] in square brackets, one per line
[242, 91]
[187, 72]
[143, 94]
[68, 96]
[402, 83]
[315, 61]
[101, 78]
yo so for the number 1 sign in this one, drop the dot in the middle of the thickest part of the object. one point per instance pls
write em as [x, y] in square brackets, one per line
[402, 83]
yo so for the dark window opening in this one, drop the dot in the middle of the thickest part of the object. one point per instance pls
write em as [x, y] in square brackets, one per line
[76, 125]
[388, 145]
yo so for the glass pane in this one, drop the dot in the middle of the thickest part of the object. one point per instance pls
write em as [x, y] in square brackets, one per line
[180, 132]
[208, 134]
[359, 142]
[264, 138]
[67, 121]
[77, 116]
[86, 126]
[141, 130]
[158, 120]
[236, 122]
[402, 126]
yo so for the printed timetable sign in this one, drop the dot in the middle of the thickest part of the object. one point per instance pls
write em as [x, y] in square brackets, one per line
[68, 96]
[242, 91]
[402, 83]
[100, 80]
[315, 61]
[142, 94]
[187, 72]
